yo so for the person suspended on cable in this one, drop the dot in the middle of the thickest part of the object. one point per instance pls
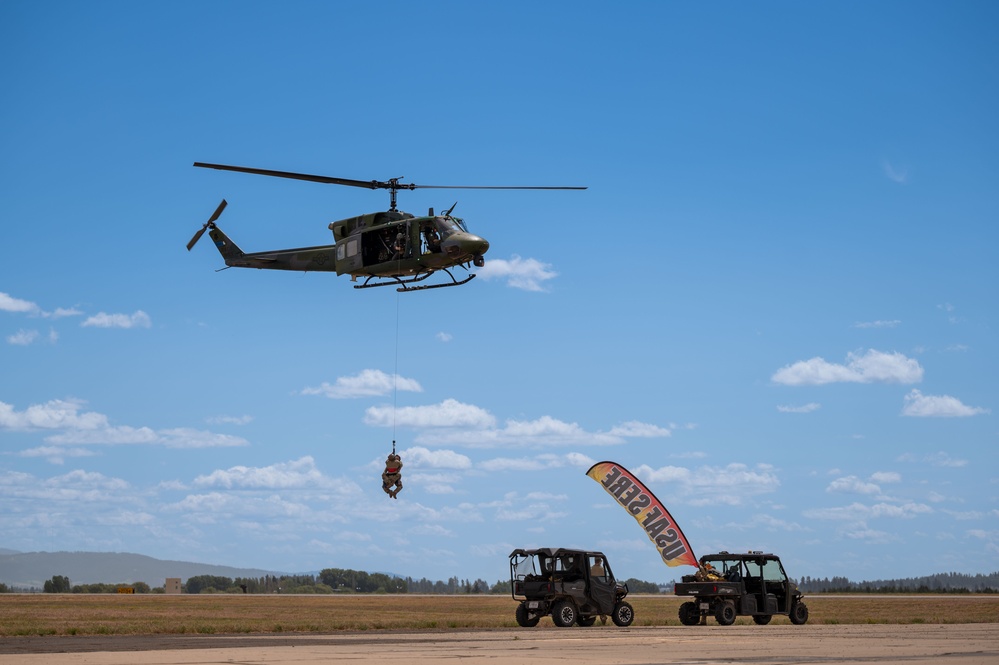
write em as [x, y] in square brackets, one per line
[392, 476]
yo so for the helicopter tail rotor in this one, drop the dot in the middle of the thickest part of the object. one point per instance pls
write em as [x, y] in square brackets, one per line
[210, 223]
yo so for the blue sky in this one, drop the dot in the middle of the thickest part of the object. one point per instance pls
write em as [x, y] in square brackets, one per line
[776, 302]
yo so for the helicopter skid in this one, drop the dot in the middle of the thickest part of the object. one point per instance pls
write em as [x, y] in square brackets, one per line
[403, 284]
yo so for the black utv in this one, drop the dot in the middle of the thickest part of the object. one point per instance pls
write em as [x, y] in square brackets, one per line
[573, 586]
[730, 585]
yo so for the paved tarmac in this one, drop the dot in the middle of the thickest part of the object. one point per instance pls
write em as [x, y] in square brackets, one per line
[957, 644]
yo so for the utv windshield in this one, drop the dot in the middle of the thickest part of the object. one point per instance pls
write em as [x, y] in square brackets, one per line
[730, 569]
[773, 571]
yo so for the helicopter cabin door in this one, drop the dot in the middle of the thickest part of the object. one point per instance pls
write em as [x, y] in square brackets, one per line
[384, 244]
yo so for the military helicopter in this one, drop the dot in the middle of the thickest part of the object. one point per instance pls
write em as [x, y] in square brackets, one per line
[382, 248]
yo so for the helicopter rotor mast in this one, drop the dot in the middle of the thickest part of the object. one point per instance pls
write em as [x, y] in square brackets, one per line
[392, 184]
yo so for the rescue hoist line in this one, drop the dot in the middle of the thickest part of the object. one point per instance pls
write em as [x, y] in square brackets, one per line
[392, 476]
[395, 372]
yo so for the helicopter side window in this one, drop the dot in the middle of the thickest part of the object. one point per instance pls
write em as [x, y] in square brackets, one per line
[431, 240]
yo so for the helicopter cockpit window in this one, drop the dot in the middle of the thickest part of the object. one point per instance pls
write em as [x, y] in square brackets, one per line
[446, 226]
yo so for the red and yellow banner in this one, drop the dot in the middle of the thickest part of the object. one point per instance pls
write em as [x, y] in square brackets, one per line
[647, 510]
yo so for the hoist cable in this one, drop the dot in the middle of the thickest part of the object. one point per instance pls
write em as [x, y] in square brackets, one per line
[395, 372]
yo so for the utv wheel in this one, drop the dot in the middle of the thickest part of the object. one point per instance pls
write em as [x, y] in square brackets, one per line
[586, 622]
[762, 619]
[725, 613]
[524, 620]
[799, 613]
[623, 614]
[564, 613]
[689, 614]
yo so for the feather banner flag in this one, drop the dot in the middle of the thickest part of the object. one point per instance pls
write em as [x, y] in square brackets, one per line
[647, 510]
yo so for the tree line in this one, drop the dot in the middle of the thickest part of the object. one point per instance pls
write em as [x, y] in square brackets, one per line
[940, 583]
[342, 580]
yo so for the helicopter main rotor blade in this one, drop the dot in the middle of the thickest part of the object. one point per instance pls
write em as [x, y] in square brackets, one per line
[484, 187]
[392, 184]
[367, 184]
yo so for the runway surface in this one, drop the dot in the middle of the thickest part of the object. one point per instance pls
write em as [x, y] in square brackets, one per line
[951, 644]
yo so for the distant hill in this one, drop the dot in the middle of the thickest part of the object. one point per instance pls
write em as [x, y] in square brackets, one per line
[32, 569]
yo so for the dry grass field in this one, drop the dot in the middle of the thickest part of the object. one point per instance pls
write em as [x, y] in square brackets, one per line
[110, 614]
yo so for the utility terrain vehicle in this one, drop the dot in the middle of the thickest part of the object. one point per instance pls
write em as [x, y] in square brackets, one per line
[730, 585]
[573, 586]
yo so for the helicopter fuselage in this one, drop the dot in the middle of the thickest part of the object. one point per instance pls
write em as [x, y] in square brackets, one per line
[383, 244]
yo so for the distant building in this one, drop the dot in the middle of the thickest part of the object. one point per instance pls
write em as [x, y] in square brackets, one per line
[172, 585]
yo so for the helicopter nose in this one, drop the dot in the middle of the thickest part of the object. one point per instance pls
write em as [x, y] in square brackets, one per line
[465, 245]
[476, 245]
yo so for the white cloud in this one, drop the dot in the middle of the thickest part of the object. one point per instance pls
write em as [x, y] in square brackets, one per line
[859, 511]
[804, 408]
[449, 413]
[9, 303]
[62, 312]
[870, 536]
[184, 437]
[367, 383]
[896, 174]
[15, 305]
[296, 474]
[710, 485]
[444, 337]
[536, 463]
[23, 337]
[423, 458]
[88, 427]
[87, 479]
[526, 274]
[514, 464]
[544, 431]
[885, 477]
[229, 420]
[56, 454]
[106, 435]
[518, 508]
[254, 509]
[872, 367]
[940, 406]
[637, 430]
[936, 459]
[454, 423]
[101, 320]
[580, 460]
[55, 414]
[877, 324]
[853, 485]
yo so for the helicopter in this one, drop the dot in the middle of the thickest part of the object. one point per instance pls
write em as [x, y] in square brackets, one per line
[381, 248]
